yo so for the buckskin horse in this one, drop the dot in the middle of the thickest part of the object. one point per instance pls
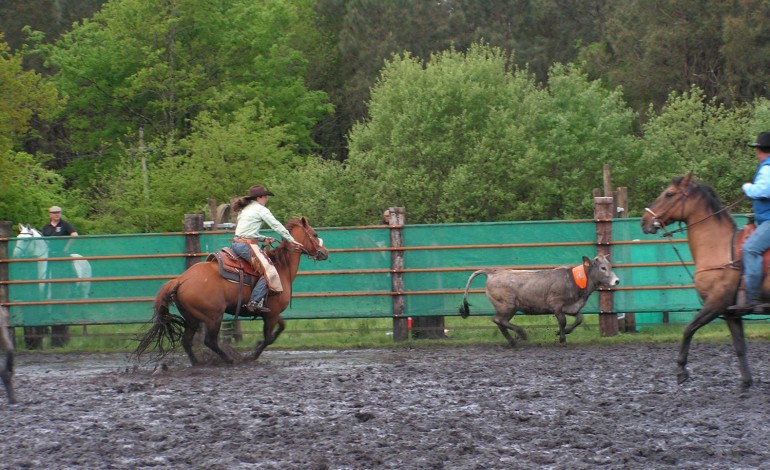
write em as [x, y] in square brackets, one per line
[203, 296]
[710, 235]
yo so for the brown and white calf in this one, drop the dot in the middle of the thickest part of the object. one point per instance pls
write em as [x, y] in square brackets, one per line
[560, 291]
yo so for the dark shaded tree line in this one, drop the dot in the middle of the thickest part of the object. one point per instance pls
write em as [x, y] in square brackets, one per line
[460, 110]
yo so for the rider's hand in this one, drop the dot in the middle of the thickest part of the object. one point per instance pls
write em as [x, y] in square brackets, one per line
[298, 245]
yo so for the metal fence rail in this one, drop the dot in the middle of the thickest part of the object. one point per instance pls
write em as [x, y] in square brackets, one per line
[356, 280]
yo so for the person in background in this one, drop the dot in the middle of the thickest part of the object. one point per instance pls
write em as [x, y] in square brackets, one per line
[58, 227]
[758, 190]
[385, 218]
[252, 214]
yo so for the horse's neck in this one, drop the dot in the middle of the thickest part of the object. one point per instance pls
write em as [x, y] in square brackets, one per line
[35, 247]
[288, 269]
[710, 239]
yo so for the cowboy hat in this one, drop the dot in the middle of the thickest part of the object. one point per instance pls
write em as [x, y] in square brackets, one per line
[763, 140]
[258, 191]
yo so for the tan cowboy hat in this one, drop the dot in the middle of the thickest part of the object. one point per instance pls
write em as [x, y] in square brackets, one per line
[258, 191]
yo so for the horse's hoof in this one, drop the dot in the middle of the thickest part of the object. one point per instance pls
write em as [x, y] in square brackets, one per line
[746, 384]
[682, 377]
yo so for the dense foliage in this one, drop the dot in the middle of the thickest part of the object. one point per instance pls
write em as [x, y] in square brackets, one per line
[461, 110]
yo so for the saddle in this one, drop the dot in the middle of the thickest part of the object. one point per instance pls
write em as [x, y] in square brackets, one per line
[233, 268]
[740, 238]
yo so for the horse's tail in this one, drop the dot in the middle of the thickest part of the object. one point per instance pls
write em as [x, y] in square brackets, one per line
[465, 310]
[165, 325]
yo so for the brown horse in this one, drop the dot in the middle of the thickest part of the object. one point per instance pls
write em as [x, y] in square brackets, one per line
[710, 234]
[202, 296]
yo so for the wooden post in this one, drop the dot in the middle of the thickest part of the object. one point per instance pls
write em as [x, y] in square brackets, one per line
[400, 323]
[621, 202]
[603, 208]
[213, 211]
[5, 233]
[193, 225]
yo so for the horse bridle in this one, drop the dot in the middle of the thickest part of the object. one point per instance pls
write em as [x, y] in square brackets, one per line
[316, 245]
[657, 221]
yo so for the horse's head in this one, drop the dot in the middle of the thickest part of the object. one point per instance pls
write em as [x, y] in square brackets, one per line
[304, 234]
[30, 243]
[678, 202]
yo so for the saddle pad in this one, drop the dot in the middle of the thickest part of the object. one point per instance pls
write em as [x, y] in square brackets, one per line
[233, 268]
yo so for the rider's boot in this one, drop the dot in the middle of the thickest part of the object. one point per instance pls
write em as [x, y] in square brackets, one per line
[257, 307]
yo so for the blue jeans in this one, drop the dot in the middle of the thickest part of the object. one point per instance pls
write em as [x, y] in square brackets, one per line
[260, 290]
[753, 249]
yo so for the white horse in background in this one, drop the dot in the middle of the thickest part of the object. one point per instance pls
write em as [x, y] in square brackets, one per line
[32, 244]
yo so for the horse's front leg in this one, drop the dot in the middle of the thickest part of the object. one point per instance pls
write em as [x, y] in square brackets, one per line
[268, 335]
[735, 324]
[705, 316]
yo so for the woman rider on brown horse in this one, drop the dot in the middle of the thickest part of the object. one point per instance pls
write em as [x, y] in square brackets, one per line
[252, 214]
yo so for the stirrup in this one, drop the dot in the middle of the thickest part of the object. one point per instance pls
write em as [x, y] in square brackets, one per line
[257, 307]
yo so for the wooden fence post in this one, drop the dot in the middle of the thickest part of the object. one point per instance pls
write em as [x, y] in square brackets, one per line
[400, 322]
[628, 324]
[603, 208]
[193, 225]
[5, 233]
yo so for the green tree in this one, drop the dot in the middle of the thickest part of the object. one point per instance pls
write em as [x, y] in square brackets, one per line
[158, 65]
[463, 137]
[694, 133]
[27, 189]
[651, 48]
[746, 45]
[217, 160]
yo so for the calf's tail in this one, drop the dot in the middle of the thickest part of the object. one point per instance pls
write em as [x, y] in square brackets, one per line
[465, 310]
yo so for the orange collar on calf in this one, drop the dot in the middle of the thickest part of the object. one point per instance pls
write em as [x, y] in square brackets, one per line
[579, 275]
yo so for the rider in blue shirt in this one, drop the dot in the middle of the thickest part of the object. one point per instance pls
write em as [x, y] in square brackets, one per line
[753, 250]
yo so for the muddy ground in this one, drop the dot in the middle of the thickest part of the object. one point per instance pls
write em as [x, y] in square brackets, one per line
[447, 407]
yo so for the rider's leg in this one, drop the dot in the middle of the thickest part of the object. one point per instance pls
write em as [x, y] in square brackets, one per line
[242, 249]
[256, 302]
[753, 251]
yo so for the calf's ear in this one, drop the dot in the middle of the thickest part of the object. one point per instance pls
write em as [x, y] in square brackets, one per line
[586, 262]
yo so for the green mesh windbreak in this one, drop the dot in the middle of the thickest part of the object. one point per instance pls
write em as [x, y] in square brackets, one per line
[126, 271]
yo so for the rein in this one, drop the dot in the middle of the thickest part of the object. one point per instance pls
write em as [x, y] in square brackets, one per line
[683, 228]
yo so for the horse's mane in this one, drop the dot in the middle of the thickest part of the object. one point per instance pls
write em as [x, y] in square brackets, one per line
[708, 196]
[280, 254]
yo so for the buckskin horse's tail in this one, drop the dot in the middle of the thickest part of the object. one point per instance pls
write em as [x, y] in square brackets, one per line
[165, 326]
[465, 310]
